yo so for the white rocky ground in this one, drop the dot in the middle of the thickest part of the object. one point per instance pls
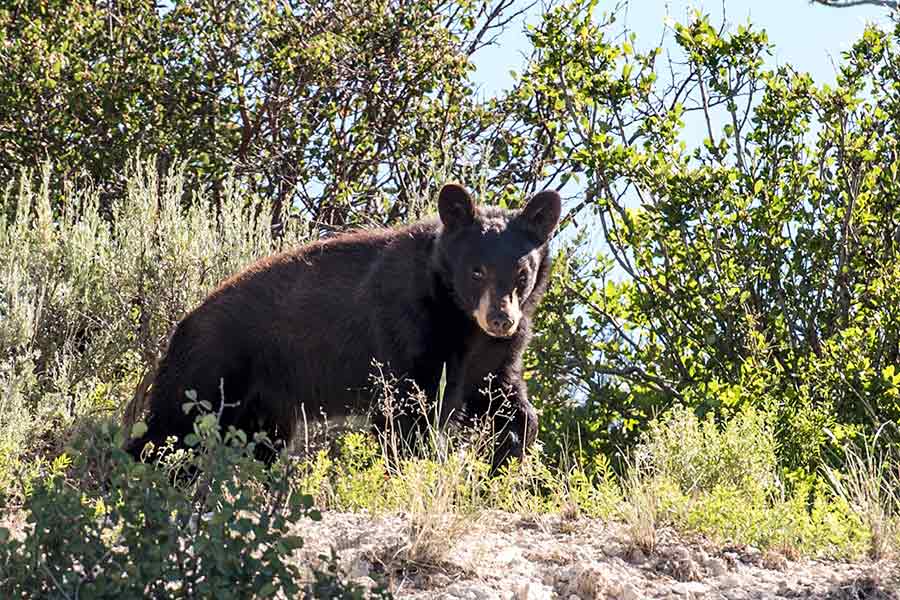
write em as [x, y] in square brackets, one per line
[502, 556]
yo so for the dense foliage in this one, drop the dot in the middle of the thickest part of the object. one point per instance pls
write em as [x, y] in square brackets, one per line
[342, 111]
[757, 267]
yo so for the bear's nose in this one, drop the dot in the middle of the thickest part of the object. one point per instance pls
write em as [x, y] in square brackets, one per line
[501, 323]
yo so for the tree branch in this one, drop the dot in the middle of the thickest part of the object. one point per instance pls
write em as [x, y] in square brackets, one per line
[892, 4]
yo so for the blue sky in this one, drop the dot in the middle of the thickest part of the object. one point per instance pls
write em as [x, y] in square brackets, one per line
[808, 36]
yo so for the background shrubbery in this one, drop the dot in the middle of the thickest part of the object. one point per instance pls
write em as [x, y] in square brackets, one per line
[720, 345]
[87, 299]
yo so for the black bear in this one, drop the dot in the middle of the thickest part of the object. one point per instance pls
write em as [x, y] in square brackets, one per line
[301, 330]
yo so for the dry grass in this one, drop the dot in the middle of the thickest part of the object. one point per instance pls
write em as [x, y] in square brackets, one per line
[640, 508]
[868, 482]
[436, 519]
[440, 489]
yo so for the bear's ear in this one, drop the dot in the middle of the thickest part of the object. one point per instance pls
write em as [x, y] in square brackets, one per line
[456, 207]
[541, 214]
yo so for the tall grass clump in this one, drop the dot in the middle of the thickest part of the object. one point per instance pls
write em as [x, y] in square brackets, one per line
[440, 477]
[90, 290]
[868, 484]
[434, 475]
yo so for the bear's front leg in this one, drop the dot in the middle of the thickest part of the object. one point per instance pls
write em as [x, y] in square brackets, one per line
[502, 398]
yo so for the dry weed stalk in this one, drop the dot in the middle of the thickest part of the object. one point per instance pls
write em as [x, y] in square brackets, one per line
[640, 509]
[442, 487]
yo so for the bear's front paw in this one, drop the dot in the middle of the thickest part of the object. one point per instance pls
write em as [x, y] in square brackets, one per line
[508, 446]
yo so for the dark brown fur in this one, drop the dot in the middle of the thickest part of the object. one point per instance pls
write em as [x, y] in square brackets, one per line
[303, 327]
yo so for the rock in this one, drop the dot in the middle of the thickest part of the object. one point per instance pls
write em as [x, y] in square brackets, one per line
[629, 592]
[366, 582]
[751, 555]
[774, 560]
[509, 556]
[486, 593]
[438, 580]
[687, 570]
[690, 588]
[531, 590]
[360, 568]
[636, 556]
[460, 591]
[716, 566]
[587, 582]
[681, 553]
[679, 563]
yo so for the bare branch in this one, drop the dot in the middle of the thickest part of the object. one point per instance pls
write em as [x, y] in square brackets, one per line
[892, 4]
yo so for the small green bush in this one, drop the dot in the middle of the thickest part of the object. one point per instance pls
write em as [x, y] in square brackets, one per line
[699, 456]
[360, 473]
[723, 481]
[225, 534]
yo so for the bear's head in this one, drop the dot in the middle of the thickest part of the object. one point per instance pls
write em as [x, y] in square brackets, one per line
[492, 258]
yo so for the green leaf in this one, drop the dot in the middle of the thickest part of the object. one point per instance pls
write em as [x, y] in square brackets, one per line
[301, 501]
[442, 384]
[292, 542]
[138, 429]
[267, 590]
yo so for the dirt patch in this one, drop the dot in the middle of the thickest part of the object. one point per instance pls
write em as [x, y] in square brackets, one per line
[509, 557]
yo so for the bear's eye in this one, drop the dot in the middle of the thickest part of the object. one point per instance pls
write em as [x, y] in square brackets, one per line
[477, 273]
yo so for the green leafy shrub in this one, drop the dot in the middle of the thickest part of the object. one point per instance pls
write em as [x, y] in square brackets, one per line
[346, 137]
[698, 454]
[748, 232]
[228, 534]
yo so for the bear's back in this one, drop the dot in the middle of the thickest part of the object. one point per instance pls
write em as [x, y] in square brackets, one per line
[310, 320]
